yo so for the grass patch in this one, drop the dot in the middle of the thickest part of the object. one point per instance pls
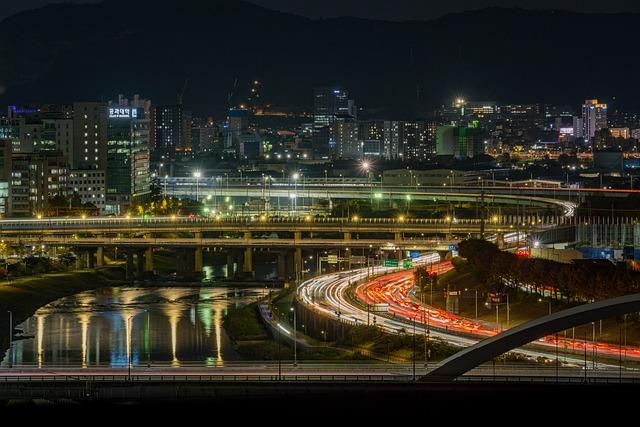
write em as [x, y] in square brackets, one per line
[398, 345]
[244, 324]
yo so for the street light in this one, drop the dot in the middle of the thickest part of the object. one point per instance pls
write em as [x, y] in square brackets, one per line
[549, 301]
[295, 338]
[130, 328]
[10, 336]
[296, 177]
[197, 174]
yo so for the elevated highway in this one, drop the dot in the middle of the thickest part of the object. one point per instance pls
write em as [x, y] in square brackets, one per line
[138, 236]
[525, 198]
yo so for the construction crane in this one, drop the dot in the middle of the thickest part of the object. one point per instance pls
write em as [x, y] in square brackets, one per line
[232, 93]
[184, 88]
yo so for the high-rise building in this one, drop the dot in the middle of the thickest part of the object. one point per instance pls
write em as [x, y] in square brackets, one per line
[6, 149]
[594, 117]
[89, 186]
[149, 113]
[329, 103]
[419, 140]
[459, 141]
[35, 179]
[346, 137]
[623, 132]
[168, 130]
[127, 172]
[393, 140]
[205, 135]
[41, 128]
[463, 112]
[89, 135]
[10, 131]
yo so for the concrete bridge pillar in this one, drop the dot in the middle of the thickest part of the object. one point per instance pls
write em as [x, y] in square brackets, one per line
[398, 237]
[100, 256]
[290, 264]
[140, 264]
[282, 266]
[297, 235]
[231, 261]
[90, 259]
[400, 255]
[500, 240]
[247, 262]
[80, 260]
[198, 260]
[185, 262]
[148, 260]
[297, 262]
[129, 265]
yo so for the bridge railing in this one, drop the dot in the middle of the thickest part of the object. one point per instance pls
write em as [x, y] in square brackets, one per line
[107, 222]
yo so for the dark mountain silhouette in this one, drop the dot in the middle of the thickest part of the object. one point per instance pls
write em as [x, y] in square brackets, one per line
[71, 52]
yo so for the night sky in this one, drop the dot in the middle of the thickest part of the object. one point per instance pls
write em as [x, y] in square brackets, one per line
[389, 10]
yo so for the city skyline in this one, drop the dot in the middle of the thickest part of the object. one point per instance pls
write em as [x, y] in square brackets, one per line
[231, 210]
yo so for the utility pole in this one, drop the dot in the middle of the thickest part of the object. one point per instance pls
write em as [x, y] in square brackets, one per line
[414, 349]
[482, 213]
[10, 337]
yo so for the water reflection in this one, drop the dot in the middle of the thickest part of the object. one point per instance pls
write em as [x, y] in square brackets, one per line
[115, 326]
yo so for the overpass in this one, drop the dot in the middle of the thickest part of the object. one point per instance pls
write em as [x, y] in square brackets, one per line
[239, 236]
[190, 186]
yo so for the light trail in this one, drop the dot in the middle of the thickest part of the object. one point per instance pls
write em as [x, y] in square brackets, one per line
[327, 295]
[395, 290]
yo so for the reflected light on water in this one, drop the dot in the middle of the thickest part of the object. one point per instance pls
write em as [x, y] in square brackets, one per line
[113, 326]
[40, 335]
[84, 325]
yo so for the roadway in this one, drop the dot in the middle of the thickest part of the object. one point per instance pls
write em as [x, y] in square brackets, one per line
[173, 224]
[286, 370]
[524, 199]
[329, 296]
[217, 186]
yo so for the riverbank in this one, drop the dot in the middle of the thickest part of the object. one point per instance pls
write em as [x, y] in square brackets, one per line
[24, 296]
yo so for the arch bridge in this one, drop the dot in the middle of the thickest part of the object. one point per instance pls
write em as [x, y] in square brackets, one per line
[484, 351]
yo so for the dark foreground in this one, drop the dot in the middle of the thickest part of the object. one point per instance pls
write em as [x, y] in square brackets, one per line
[335, 403]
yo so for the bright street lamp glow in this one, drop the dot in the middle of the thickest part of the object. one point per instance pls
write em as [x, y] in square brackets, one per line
[197, 174]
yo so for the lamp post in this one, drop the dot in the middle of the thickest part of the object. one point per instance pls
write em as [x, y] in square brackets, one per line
[414, 349]
[10, 337]
[166, 178]
[130, 328]
[367, 168]
[295, 338]
[197, 175]
[549, 302]
[149, 338]
[296, 177]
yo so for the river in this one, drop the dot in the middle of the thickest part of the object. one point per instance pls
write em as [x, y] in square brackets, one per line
[162, 325]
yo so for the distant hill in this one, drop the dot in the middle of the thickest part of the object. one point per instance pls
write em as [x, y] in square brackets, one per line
[68, 52]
